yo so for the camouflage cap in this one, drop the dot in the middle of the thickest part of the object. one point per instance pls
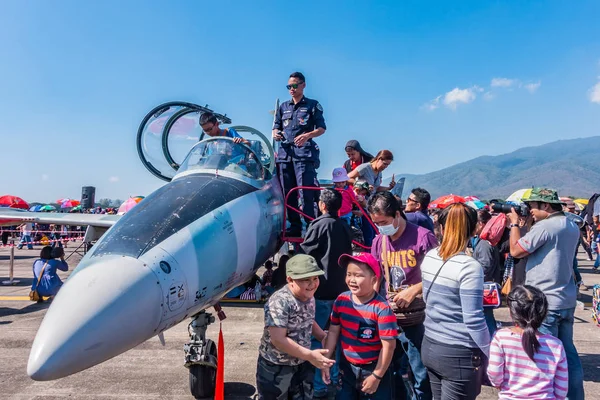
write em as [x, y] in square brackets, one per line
[543, 195]
[302, 266]
[362, 185]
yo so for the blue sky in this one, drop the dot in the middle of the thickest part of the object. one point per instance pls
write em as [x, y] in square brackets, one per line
[435, 82]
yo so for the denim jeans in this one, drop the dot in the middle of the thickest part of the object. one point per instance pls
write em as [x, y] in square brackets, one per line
[578, 278]
[322, 315]
[490, 320]
[26, 239]
[559, 323]
[408, 352]
[354, 375]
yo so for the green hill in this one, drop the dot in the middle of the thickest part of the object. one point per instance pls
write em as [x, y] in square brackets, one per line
[570, 166]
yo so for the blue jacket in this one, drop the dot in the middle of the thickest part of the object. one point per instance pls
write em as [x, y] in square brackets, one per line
[50, 282]
[296, 119]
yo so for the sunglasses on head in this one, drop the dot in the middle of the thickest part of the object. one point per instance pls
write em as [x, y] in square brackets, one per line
[293, 85]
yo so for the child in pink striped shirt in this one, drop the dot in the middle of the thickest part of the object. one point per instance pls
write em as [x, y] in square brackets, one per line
[523, 363]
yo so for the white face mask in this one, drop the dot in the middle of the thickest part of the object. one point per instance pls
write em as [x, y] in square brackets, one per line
[388, 230]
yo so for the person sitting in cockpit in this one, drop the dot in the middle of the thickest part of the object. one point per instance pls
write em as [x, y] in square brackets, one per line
[210, 126]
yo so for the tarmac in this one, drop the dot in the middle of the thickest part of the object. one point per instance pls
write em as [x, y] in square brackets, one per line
[153, 371]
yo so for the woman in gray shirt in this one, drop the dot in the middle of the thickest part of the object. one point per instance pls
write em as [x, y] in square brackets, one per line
[371, 171]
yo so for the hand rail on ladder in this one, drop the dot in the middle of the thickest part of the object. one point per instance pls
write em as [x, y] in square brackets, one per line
[300, 240]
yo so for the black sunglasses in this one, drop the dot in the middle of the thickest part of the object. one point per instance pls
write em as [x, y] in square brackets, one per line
[293, 85]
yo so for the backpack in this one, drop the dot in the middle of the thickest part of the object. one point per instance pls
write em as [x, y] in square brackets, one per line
[494, 229]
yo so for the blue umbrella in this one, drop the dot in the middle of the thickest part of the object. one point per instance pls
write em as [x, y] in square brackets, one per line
[36, 208]
[476, 204]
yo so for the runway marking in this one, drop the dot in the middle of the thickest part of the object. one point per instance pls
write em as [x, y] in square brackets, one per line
[17, 298]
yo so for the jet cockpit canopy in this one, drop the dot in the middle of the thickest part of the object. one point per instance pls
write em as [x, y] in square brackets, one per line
[221, 154]
[170, 130]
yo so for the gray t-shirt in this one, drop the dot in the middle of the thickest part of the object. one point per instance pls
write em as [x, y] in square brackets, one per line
[284, 310]
[551, 246]
[365, 172]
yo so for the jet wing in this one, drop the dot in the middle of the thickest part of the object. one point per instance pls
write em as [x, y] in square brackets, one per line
[14, 217]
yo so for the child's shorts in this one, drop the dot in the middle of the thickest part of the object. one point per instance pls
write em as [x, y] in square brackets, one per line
[274, 381]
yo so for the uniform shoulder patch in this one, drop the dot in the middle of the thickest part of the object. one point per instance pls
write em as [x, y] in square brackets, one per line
[319, 107]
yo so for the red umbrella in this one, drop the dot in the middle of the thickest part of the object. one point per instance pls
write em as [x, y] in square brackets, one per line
[445, 201]
[13, 202]
[68, 203]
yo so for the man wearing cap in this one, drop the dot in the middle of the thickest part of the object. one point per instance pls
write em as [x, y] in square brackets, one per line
[327, 238]
[550, 249]
[297, 122]
[283, 371]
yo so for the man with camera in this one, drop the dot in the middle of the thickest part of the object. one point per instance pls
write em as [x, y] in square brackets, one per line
[550, 247]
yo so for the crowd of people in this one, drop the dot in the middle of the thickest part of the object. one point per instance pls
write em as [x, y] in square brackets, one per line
[407, 319]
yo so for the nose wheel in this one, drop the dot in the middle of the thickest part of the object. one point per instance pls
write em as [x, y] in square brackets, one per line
[201, 357]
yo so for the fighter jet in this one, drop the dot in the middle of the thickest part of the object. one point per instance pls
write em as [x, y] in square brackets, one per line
[175, 254]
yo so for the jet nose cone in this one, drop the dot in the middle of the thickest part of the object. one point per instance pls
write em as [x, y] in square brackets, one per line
[103, 310]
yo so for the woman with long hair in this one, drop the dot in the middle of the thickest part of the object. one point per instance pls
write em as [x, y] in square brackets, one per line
[356, 155]
[371, 171]
[456, 341]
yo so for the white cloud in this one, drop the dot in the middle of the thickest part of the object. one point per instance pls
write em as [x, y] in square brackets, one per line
[504, 82]
[457, 96]
[433, 104]
[533, 87]
[45, 177]
[113, 179]
[594, 93]
[489, 96]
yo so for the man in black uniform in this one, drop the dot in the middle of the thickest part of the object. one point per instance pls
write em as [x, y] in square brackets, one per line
[297, 122]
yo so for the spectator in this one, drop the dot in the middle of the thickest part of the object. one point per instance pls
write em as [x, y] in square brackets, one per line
[371, 171]
[267, 278]
[210, 126]
[26, 230]
[44, 271]
[279, 273]
[363, 192]
[457, 339]
[370, 332]
[416, 208]
[401, 247]
[356, 156]
[550, 248]
[340, 182]
[327, 238]
[488, 256]
[283, 371]
[5, 234]
[525, 364]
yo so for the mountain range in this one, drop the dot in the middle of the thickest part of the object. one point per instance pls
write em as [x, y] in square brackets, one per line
[572, 167]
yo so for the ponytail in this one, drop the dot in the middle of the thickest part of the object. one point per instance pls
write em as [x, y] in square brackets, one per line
[529, 341]
[528, 308]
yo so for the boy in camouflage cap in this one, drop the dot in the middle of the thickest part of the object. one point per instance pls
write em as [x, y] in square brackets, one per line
[284, 368]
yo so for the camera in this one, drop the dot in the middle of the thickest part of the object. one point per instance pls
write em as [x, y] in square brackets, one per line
[506, 209]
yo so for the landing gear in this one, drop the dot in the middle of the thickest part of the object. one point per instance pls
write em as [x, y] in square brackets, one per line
[201, 357]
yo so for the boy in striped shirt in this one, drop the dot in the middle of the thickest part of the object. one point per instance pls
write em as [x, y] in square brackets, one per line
[366, 326]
